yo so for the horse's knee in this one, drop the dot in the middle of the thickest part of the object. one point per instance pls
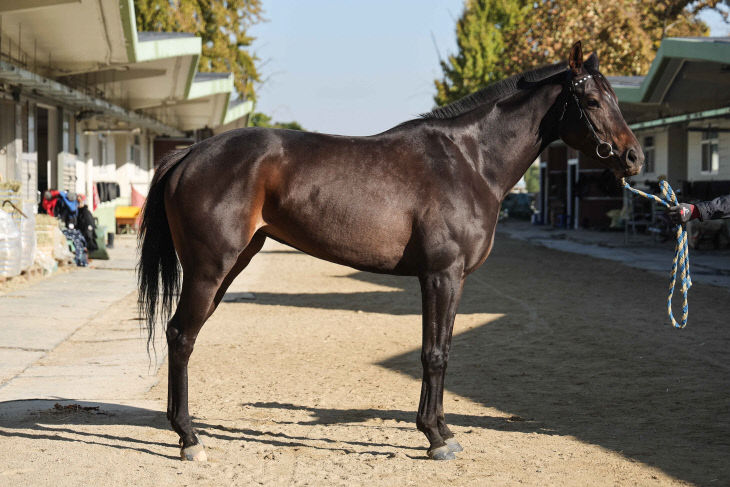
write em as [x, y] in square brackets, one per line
[434, 360]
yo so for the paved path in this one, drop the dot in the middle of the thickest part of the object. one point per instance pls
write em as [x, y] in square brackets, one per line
[73, 335]
[707, 266]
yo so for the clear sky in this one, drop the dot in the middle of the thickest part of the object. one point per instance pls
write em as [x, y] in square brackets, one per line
[357, 67]
[352, 67]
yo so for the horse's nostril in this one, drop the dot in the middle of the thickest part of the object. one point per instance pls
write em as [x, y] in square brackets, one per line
[631, 156]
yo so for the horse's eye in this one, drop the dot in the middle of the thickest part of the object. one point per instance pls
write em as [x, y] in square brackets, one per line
[592, 103]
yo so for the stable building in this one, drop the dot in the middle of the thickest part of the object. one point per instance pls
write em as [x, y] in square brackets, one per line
[85, 99]
[679, 111]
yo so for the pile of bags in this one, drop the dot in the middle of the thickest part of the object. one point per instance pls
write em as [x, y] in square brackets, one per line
[17, 239]
[10, 246]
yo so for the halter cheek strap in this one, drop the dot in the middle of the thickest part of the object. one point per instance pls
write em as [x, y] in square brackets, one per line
[604, 150]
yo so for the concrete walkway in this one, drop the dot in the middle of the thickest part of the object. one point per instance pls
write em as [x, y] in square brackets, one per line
[75, 335]
[641, 252]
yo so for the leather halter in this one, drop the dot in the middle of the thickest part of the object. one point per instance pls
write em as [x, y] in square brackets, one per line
[604, 150]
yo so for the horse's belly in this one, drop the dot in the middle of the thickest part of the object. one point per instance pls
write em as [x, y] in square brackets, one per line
[365, 237]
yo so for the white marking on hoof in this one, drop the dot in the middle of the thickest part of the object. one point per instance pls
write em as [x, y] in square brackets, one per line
[454, 445]
[195, 453]
[441, 453]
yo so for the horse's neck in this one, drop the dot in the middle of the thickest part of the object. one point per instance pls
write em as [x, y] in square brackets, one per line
[514, 133]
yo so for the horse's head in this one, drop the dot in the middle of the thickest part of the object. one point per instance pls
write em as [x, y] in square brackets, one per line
[591, 120]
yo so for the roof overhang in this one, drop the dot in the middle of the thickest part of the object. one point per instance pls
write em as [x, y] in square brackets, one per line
[43, 34]
[109, 60]
[54, 90]
[206, 105]
[687, 75]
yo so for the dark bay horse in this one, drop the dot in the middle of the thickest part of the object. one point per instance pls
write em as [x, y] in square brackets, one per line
[420, 199]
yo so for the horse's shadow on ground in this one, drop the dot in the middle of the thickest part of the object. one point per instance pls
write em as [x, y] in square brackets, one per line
[578, 358]
[57, 420]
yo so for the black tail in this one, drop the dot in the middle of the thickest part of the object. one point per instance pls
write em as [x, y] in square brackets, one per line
[158, 260]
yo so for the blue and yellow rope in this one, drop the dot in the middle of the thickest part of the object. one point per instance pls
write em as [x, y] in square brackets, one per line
[681, 253]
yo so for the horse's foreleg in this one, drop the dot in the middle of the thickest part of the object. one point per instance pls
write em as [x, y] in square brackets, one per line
[440, 293]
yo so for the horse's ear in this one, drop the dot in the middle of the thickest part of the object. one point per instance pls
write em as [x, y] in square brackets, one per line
[576, 58]
[592, 62]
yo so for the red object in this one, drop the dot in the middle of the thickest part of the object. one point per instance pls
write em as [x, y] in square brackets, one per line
[50, 205]
[137, 198]
[95, 197]
[695, 212]
[138, 201]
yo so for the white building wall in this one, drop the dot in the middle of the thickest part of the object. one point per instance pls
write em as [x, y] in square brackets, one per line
[661, 156]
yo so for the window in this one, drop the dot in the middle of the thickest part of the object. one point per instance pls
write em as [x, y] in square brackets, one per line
[66, 129]
[648, 154]
[101, 158]
[710, 154]
[135, 151]
[28, 127]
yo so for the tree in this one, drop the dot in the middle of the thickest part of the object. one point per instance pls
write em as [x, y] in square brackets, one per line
[532, 179]
[223, 27]
[259, 119]
[480, 36]
[626, 34]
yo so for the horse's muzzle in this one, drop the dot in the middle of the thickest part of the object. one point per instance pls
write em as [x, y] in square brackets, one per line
[633, 160]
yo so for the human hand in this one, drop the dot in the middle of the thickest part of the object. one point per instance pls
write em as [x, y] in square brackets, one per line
[681, 214]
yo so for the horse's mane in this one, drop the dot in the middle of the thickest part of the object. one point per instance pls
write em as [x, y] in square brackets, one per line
[495, 92]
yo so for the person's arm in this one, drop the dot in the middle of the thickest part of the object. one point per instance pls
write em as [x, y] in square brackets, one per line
[717, 208]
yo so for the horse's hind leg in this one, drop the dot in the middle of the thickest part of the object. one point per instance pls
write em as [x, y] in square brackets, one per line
[441, 293]
[204, 284]
[196, 299]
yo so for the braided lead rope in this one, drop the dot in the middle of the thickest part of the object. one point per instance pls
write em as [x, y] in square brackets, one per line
[681, 253]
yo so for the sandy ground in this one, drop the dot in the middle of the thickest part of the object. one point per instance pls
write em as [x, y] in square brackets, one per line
[562, 372]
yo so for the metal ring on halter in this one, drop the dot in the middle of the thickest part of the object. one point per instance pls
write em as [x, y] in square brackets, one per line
[604, 145]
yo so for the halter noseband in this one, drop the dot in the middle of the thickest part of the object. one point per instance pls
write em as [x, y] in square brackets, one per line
[604, 150]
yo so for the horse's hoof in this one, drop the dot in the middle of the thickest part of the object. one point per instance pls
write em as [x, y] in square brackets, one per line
[194, 453]
[454, 445]
[441, 453]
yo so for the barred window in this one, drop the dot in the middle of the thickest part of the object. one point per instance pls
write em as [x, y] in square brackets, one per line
[710, 153]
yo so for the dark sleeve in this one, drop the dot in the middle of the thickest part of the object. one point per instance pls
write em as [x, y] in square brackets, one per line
[717, 208]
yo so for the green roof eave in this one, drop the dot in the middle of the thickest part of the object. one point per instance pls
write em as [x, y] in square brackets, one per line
[628, 94]
[717, 112]
[239, 111]
[129, 24]
[683, 48]
[159, 48]
[200, 89]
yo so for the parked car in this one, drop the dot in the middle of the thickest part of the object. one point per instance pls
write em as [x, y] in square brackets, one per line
[519, 206]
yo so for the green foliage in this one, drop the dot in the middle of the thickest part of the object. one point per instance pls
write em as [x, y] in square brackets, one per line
[499, 38]
[259, 119]
[480, 36]
[223, 27]
[532, 179]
